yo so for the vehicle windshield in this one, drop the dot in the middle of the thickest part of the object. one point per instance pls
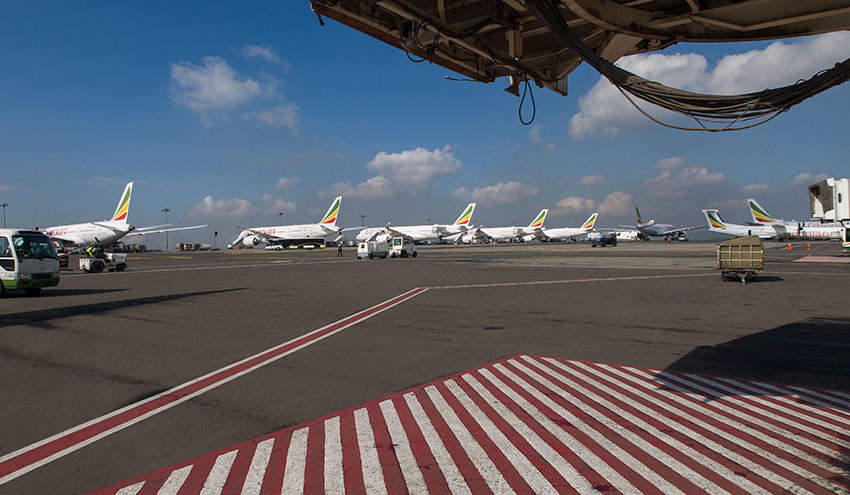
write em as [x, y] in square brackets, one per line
[33, 247]
[397, 242]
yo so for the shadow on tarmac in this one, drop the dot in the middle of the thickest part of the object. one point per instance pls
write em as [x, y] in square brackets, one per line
[40, 318]
[814, 352]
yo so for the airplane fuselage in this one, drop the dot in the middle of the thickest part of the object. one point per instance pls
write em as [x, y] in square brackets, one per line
[503, 233]
[428, 232]
[654, 229]
[563, 233]
[90, 233]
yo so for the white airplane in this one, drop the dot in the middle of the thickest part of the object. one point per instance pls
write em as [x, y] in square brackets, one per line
[566, 233]
[420, 232]
[107, 231]
[793, 228]
[652, 229]
[307, 231]
[506, 233]
[716, 224]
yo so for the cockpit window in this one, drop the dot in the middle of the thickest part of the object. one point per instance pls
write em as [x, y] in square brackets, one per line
[33, 247]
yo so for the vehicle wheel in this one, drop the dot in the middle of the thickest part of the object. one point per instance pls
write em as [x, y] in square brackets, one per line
[593, 245]
[414, 255]
[121, 268]
[32, 292]
[2, 289]
[370, 256]
[97, 267]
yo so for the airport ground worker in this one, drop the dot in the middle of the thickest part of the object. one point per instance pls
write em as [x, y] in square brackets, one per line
[339, 250]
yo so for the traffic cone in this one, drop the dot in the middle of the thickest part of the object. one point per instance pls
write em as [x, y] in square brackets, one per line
[789, 246]
[808, 247]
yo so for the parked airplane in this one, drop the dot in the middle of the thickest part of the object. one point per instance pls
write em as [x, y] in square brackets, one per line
[567, 233]
[308, 231]
[421, 232]
[652, 229]
[793, 228]
[716, 224]
[506, 233]
[107, 231]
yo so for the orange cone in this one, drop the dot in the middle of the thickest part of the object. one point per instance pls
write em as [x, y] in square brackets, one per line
[789, 246]
[808, 247]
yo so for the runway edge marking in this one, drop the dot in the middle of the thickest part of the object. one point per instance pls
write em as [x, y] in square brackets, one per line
[533, 423]
[31, 457]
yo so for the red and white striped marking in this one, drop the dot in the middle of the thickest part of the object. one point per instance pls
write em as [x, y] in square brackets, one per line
[532, 424]
[33, 456]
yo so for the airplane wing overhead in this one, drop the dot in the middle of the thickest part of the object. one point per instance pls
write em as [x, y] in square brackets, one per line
[148, 230]
[395, 232]
[107, 226]
[685, 229]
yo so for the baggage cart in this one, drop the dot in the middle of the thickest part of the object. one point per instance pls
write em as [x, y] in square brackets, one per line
[740, 258]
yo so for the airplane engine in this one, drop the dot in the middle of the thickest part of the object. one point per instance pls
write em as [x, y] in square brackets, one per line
[250, 241]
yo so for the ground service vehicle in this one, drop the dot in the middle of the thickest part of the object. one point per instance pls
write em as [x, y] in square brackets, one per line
[373, 249]
[845, 239]
[27, 261]
[599, 239]
[740, 258]
[402, 247]
[114, 262]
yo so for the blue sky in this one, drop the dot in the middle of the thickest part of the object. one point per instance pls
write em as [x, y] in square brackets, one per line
[230, 113]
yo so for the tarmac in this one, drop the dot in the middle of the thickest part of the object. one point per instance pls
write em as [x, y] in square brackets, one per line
[111, 376]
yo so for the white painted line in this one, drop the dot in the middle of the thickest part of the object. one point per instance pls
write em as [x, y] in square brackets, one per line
[296, 462]
[218, 475]
[406, 460]
[457, 484]
[334, 479]
[370, 463]
[524, 467]
[259, 465]
[131, 490]
[175, 481]
[476, 454]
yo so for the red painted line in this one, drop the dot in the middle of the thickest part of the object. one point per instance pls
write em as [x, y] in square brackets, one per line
[22, 461]
[351, 454]
[314, 470]
[393, 477]
[572, 281]
[433, 476]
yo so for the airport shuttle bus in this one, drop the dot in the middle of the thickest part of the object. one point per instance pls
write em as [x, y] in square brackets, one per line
[28, 261]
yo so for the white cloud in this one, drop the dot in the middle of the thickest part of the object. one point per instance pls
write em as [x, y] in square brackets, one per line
[264, 52]
[408, 172]
[615, 203]
[574, 204]
[229, 208]
[806, 179]
[285, 182]
[285, 115]
[503, 193]
[754, 188]
[534, 135]
[603, 110]
[279, 204]
[7, 188]
[211, 88]
[676, 178]
[591, 180]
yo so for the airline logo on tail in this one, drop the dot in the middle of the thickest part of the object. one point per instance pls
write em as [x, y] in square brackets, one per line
[538, 222]
[592, 220]
[714, 220]
[123, 207]
[333, 212]
[466, 216]
[759, 215]
[637, 212]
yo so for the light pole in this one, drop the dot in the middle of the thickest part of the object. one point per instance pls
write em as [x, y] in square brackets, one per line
[166, 210]
[280, 216]
[4, 205]
[362, 220]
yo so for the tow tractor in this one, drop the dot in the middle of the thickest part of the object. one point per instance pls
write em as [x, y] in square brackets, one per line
[113, 262]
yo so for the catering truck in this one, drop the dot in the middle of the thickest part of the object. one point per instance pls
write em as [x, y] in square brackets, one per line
[28, 261]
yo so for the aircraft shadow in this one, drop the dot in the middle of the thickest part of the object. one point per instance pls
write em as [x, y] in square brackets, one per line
[60, 292]
[813, 352]
[42, 317]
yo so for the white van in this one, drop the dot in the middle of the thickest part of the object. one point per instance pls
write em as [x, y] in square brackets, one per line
[373, 249]
[402, 248]
[27, 261]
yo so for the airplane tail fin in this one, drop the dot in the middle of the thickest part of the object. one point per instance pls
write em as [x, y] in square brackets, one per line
[637, 212]
[123, 208]
[539, 219]
[713, 219]
[760, 216]
[588, 225]
[329, 220]
[466, 216]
